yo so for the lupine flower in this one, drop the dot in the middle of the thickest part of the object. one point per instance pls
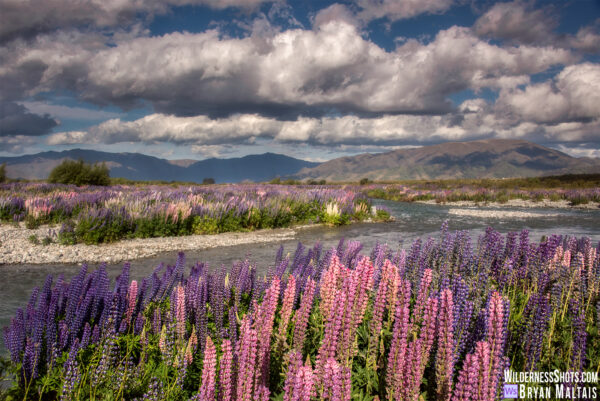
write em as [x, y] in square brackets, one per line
[332, 381]
[445, 352]
[302, 314]
[286, 308]
[131, 299]
[207, 389]
[226, 372]
[179, 300]
[398, 347]
[247, 351]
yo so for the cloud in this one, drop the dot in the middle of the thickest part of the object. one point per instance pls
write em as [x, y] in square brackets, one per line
[516, 21]
[66, 112]
[16, 144]
[15, 120]
[27, 18]
[286, 74]
[573, 95]
[520, 22]
[400, 9]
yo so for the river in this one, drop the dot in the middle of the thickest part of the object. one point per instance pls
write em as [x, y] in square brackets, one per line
[412, 220]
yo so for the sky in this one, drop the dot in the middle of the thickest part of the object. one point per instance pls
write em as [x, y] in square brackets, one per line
[193, 79]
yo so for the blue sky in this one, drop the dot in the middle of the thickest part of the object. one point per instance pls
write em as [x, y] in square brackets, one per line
[311, 79]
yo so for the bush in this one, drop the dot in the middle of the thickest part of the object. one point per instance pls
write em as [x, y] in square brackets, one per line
[2, 172]
[80, 173]
[364, 181]
[208, 181]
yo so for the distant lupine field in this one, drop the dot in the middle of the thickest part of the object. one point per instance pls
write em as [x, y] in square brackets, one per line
[447, 191]
[438, 321]
[104, 214]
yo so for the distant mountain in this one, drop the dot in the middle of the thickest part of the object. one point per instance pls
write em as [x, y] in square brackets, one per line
[494, 158]
[138, 166]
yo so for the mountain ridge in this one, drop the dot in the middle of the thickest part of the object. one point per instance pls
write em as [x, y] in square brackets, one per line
[138, 166]
[488, 158]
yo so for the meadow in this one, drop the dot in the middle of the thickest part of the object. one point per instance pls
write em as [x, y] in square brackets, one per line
[440, 320]
[93, 215]
[575, 189]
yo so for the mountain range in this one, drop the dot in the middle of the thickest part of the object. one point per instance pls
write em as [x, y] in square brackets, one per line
[493, 158]
[137, 166]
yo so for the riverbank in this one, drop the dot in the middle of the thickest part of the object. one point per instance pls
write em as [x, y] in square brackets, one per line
[524, 203]
[16, 246]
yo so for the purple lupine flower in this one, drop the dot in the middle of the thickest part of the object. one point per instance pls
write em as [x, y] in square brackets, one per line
[445, 352]
[226, 372]
[302, 315]
[207, 389]
[299, 380]
[422, 296]
[294, 365]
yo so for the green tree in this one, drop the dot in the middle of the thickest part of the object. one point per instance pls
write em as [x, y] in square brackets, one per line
[208, 181]
[80, 173]
[3, 172]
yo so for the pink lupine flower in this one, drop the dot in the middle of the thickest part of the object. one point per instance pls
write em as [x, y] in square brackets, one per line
[422, 297]
[131, 300]
[207, 389]
[495, 337]
[299, 385]
[191, 347]
[467, 380]
[398, 346]
[247, 361]
[445, 352]
[482, 389]
[264, 329]
[332, 381]
[262, 393]
[294, 364]
[179, 297]
[376, 322]
[287, 308]
[332, 332]
[162, 340]
[329, 286]
[225, 371]
[302, 315]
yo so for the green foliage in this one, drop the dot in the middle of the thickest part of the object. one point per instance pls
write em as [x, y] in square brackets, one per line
[208, 181]
[364, 181]
[2, 172]
[80, 173]
[34, 239]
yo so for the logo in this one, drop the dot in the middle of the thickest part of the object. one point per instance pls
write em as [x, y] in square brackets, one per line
[511, 391]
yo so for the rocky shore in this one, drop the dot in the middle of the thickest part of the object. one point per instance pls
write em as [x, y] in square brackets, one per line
[545, 203]
[16, 246]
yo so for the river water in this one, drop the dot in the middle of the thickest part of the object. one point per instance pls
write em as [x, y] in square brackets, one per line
[412, 220]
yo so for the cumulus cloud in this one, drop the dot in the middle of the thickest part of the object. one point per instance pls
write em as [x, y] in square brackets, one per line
[26, 18]
[573, 95]
[400, 9]
[290, 73]
[516, 21]
[16, 120]
[520, 22]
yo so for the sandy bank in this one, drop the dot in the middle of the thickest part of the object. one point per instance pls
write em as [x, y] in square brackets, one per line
[15, 246]
[546, 203]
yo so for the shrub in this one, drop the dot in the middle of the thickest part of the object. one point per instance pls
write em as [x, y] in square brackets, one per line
[208, 181]
[80, 173]
[364, 181]
[2, 172]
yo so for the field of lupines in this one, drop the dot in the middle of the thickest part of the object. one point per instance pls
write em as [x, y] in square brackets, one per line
[438, 321]
[105, 214]
[443, 192]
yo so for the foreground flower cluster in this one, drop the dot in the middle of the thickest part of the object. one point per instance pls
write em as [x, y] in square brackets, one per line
[440, 321]
[104, 214]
